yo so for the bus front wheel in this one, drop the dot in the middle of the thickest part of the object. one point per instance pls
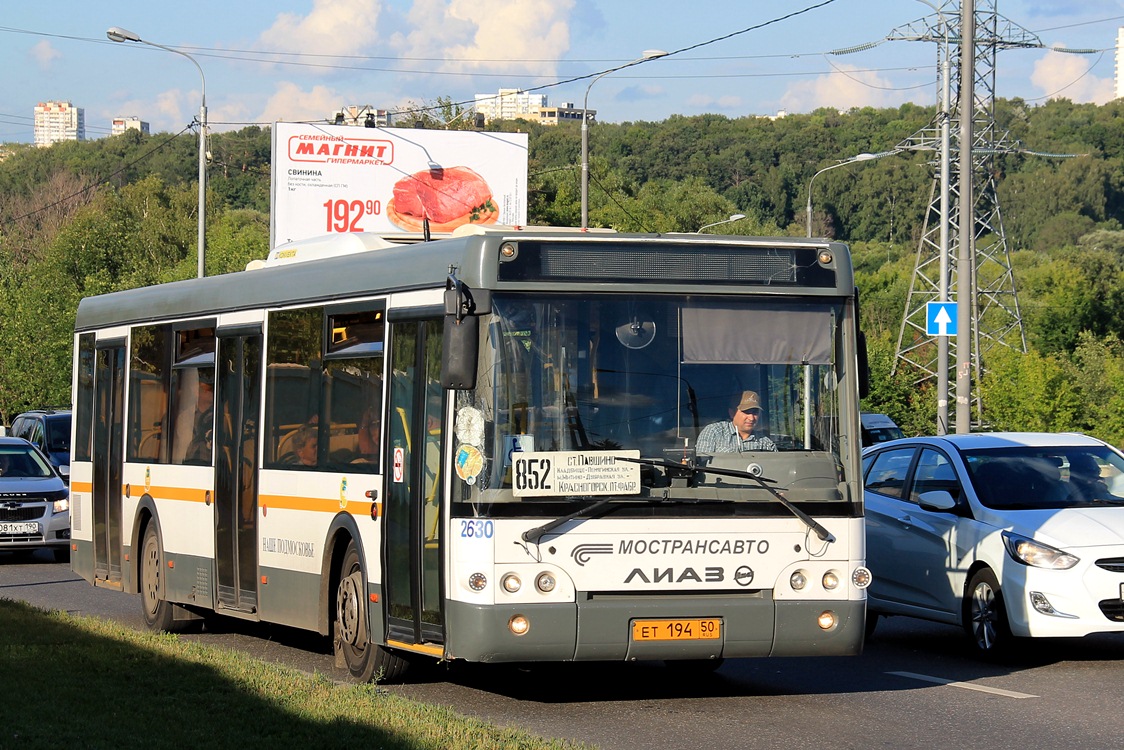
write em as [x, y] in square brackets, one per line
[365, 660]
[157, 611]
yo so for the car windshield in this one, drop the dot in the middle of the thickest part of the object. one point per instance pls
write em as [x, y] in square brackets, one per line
[22, 461]
[1045, 478]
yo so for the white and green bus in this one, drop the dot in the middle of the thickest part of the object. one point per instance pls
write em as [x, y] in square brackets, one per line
[483, 447]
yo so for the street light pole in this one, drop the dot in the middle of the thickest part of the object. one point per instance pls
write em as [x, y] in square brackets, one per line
[733, 217]
[648, 54]
[845, 162]
[118, 34]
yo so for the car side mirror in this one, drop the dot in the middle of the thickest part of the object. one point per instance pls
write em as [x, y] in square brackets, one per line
[939, 501]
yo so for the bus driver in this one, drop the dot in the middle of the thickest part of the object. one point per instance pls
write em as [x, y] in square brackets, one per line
[736, 435]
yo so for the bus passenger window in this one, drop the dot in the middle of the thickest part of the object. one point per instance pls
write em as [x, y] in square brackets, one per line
[353, 389]
[148, 377]
[192, 422]
[193, 418]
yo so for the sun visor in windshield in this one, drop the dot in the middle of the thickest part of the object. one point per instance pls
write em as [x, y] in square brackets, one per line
[773, 334]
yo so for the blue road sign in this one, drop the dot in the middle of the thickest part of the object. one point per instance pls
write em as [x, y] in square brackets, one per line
[940, 318]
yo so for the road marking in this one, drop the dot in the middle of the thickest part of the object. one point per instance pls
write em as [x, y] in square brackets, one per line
[965, 685]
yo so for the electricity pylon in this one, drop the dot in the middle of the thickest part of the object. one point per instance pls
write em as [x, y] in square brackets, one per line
[995, 316]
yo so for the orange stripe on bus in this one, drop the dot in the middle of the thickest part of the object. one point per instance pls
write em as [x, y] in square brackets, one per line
[283, 502]
[187, 494]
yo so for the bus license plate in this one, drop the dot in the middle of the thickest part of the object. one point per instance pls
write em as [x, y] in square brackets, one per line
[19, 528]
[677, 630]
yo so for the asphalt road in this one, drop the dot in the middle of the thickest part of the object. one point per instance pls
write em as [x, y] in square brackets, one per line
[914, 687]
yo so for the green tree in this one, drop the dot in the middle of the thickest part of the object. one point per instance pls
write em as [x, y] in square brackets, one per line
[1100, 377]
[659, 206]
[1032, 392]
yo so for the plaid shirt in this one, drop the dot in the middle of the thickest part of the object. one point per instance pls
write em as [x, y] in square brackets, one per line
[723, 437]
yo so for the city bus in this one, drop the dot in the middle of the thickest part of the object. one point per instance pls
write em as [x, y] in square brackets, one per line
[483, 447]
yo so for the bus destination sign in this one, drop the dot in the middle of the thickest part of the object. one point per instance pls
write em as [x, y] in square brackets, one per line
[560, 473]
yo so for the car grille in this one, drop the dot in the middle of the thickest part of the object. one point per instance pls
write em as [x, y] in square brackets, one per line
[1114, 564]
[1113, 609]
[22, 513]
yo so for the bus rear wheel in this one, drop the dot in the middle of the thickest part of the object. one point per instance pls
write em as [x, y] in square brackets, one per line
[156, 609]
[365, 661]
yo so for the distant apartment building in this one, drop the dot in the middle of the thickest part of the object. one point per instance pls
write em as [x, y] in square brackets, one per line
[58, 121]
[121, 124]
[565, 112]
[362, 116]
[510, 104]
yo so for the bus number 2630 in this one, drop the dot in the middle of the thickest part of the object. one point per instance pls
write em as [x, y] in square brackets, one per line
[477, 529]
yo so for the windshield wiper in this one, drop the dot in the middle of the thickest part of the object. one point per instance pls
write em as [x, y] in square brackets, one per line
[810, 522]
[533, 535]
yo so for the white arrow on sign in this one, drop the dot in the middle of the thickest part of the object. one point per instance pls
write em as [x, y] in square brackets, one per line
[942, 319]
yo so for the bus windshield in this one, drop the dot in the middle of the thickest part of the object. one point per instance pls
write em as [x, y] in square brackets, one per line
[649, 374]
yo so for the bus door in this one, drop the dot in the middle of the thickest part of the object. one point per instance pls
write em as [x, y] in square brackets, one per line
[412, 548]
[108, 418]
[237, 400]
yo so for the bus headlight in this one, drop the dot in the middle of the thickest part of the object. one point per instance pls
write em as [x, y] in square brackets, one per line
[545, 583]
[798, 580]
[518, 625]
[826, 620]
[511, 583]
[861, 578]
[830, 580]
[477, 581]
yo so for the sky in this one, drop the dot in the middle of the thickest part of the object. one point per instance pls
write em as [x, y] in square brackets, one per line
[301, 60]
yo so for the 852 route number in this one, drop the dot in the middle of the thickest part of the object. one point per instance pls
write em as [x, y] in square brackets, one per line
[531, 474]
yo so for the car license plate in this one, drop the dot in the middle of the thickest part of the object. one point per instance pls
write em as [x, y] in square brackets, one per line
[30, 527]
[677, 630]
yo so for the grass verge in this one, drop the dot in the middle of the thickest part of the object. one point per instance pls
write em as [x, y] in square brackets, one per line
[86, 683]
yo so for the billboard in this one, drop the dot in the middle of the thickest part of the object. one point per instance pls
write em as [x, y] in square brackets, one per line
[330, 179]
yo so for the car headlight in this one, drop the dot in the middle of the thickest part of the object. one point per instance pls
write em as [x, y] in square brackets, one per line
[59, 500]
[1037, 554]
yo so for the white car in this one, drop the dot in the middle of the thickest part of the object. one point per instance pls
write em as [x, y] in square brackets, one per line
[1004, 534]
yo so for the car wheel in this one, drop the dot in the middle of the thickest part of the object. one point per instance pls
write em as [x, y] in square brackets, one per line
[985, 616]
[365, 661]
[156, 610]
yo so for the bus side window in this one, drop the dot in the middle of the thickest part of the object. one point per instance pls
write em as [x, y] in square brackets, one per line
[193, 415]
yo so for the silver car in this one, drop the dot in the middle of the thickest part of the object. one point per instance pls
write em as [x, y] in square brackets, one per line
[34, 501]
[1004, 534]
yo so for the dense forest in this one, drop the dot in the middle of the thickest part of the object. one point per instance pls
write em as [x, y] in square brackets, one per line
[85, 218]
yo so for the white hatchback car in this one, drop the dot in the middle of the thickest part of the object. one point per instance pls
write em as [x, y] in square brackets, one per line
[1005, 534]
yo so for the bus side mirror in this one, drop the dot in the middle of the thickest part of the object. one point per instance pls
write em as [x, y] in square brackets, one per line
[459, 350]
[460, 340]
